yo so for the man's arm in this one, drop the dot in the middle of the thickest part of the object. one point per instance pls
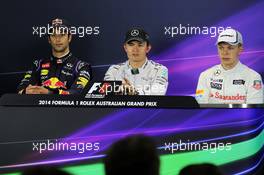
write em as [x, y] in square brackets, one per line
[31, 77]
[202, 91]
[110, 73]
[84, 75]
[160, 84]
[36, 90]
[255, 90]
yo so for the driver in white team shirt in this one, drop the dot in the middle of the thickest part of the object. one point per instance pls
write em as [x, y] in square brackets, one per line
[230, 82]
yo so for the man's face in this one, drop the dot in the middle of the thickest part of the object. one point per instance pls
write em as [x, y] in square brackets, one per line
[137, 51]
[60, 41]
[229, 54]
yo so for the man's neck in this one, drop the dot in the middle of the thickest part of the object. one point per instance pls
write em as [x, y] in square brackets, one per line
[137, 64]
[60, 54]
[228, 67]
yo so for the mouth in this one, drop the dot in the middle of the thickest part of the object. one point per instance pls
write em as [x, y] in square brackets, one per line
[58, 45]
[226, 59]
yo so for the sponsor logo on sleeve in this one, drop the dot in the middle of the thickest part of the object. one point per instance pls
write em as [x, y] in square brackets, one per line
[164, 73]
[27, 76]
[199, 93]
[82, 81]
[257, 84]
[81, 64]
[85, 74]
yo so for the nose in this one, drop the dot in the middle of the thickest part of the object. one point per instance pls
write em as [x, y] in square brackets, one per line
[57, 38]
[135, 48]
[225, 51]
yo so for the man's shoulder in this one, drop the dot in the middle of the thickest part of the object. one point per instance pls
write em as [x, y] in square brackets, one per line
[78, 63]
[249, 72]
[40, 63]
[77, 60]
[157, 65]
[117, 66]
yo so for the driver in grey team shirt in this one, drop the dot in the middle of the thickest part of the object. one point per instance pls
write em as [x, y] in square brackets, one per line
[139, 75]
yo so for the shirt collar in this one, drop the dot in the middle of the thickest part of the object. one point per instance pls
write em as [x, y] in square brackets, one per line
[61, 59]
[140, 68]
[234, 69]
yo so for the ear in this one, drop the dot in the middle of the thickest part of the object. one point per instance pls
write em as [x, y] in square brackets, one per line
[125, 48]
[70, 38]
[241, 49]
[49, 39]
[148, 48]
